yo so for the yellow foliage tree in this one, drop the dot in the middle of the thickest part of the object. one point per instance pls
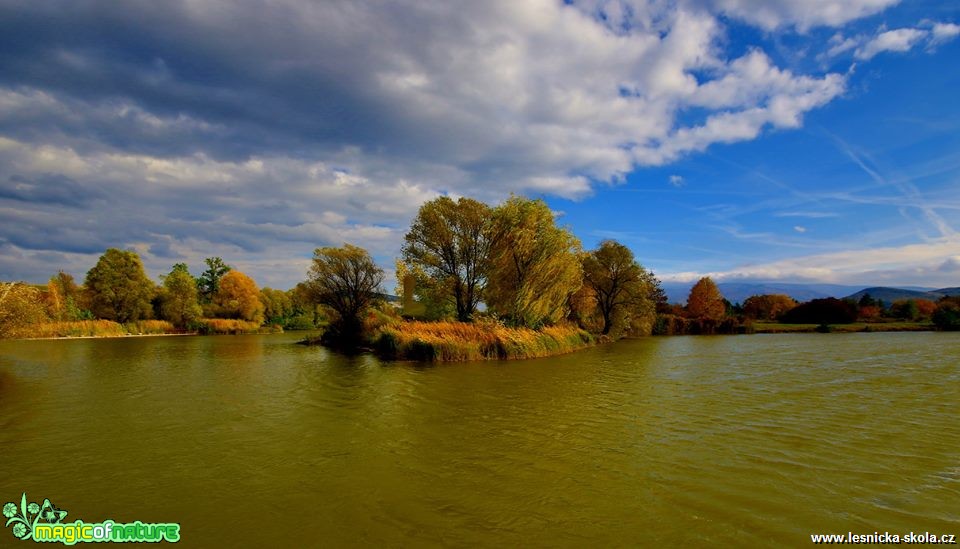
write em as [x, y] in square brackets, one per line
[20, 306]
[238, 297]
[534, 264]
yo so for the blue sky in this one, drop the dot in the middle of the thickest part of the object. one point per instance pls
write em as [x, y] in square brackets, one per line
[776, 141]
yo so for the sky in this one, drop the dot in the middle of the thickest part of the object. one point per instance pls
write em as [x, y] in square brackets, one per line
[747, 140]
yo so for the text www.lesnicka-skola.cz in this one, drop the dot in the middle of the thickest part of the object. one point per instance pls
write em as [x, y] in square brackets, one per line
[886, 537]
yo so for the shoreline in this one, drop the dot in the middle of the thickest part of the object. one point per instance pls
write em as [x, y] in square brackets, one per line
[759, 329]
[101, 336]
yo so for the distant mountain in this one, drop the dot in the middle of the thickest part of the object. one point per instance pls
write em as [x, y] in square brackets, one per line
[889, 295]
[738, 292]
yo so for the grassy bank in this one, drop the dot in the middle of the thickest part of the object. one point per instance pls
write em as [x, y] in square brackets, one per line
[778, 328]
[458, 341]
[95, 328]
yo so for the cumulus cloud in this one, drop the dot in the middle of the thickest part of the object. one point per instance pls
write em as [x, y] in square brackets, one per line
[800, 228]
[676, 181]
[157, 126]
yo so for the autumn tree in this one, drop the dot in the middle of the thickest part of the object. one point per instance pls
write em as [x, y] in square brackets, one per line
[621, 287]
[534, 264]
[347, 281]
[118, 288]
[450, 241]
[20, 306]
[767, 306]
[706, 301]
[828, 310]
[947, 315]
[278, 307]
[423, 296]
[237, 296]
[925, 308]
[63, 297]
[209, 281]
[179, 303]
[307, 312]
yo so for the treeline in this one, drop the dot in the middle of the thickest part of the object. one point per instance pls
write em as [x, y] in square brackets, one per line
[522, 283]
[118, 297]
[708, 312]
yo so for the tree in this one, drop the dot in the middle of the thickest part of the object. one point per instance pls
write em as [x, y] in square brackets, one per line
[347, 281]
[20, 306]
[925, 308]
[278, 307]
[179, 302]
[237, 297]
[534, 265]
[118, 287]
[706, 301]
[657, 295]
[947, 315]
[822, 311]
[905, 309]
[767, 306]
[866, 300]
[422, 296]
[61, 297]
[621, 287]
[209, 281]
[450, 241]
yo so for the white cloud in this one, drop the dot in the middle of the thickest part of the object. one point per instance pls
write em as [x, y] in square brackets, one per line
[932, 263]
[335, 120]
[944, 32]
[897, 40]
[773, 14]
[676, 180]
[800, 228]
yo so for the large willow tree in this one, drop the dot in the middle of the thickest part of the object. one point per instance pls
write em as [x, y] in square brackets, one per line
[347, 281]
[449, 241]
[534, 264]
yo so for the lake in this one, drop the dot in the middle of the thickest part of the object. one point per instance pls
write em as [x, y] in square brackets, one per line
[254, 441]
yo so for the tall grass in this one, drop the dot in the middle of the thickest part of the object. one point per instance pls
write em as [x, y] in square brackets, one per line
[150, 327]
[227, 326]
[77, 328]
[459, 341]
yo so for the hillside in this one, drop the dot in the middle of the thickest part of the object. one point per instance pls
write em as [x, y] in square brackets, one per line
[889, 295]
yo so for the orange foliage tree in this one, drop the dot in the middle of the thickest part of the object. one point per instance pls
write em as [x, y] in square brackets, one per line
[767, 306]
[706, 301]
[237, 297]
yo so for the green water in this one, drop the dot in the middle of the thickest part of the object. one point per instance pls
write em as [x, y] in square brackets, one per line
[252, 441]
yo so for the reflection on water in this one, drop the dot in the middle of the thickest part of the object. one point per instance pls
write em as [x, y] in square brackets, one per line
[732, 440]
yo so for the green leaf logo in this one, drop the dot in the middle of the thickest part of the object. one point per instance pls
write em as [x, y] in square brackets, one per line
[25, 517]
